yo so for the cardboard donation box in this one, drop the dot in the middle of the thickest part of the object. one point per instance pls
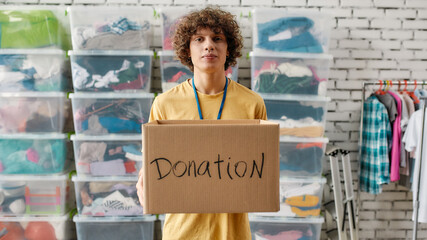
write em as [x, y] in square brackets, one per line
[211, 166]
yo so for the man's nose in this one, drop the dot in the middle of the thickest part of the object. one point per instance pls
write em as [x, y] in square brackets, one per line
[209, 44]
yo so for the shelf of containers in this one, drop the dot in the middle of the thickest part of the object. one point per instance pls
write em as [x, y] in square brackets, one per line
[290, 70]
[111, 68]
[34, 76]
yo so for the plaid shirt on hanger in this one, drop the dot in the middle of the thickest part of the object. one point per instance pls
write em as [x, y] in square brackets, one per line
[374, 159]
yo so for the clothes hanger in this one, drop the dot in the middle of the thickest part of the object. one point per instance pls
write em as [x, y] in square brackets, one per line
[380, 91]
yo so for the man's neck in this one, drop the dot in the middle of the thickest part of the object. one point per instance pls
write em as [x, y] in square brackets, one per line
[209, 83]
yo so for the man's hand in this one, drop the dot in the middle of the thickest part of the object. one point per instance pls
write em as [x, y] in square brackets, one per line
[140, 188]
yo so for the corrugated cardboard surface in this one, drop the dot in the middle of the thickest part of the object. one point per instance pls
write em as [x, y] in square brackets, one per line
[211, 166]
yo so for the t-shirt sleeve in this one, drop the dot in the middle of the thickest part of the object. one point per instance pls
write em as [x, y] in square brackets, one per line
[156, 113]
[262, 112]
[410, 138]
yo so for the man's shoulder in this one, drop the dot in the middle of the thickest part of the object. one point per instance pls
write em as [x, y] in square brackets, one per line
[176, 93]
[247, 93]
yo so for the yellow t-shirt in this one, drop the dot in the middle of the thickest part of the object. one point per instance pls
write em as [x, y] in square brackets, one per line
[179, 103]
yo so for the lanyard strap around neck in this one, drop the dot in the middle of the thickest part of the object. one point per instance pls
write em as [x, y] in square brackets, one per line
[222, 102]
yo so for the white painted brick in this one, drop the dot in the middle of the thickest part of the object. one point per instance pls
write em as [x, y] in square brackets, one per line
[392, 74]
[332, 106]
[368, 13]
[416, 3]
[322, 3]
[333, 43]
[331, 84]
[21, 1]
[358, 34]
[366, 196]
[367, 234]
[290, 3]
[391, 214]
[356, 95]
[336, 12]
[421, 54]
[419, 75]
[123, 1]
[337, 116]
[386, 23]
[340, 53]
[56, 1]
[366, 54]
[354, 44]
[402, 205]
[400, 54]
[400, 13]
[189, 2]
[383, 44]
[356, 3]
[381, 64]
[422, 13]
[349, 85]
[389, 3]
[348, 126]
[369, 224]
[413, 64]
[391, 234]
[397, 34]
[339, 33]
[337, 74]
[337, 136]
[350, 146]
[415, 24]
[224, 2]
[408, 224]
[420, 35]
[376, 205]
[354, 136]
[391, 196]
[348, 106]
[337, 94]
[350, 63]
[367, 215]
[329, 127]
[414, 44]
[353, 23]
[257, 2]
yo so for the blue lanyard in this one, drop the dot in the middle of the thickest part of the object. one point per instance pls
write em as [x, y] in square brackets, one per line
[222, 103]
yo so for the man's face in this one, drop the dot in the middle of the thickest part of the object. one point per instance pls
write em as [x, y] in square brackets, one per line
[208, 50]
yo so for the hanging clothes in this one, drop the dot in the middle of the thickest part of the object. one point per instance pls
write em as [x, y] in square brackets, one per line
[376, 134]
[395, 149]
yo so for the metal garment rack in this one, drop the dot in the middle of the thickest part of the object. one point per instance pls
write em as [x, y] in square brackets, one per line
[395, 83]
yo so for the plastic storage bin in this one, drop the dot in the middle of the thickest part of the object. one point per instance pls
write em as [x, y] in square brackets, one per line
[298, 116]
[104, 113]
[33, 70]
[301, 157]
[33, 194]
[32, 27]
[174, 72]
[113, 228]
[33, 153]
[40, 112]
[28, 227]
[299, 198]
[280, 30]
[110, 155]
[290, 73]
[285, 228]
[107, 196]
[110, 27]
[170, 16]
[96, 71]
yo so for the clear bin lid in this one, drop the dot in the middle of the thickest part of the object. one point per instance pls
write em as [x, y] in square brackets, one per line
[302, 180]
[286, 220]
[109, 137]
[294, 97]
[300, 139]
[86, 219]
[35, 51]
[110, 53]
[52, 218]
[32, 178]
[292, 55]
[107, 95]
[33, 94]
[46, 136]
[105, 179]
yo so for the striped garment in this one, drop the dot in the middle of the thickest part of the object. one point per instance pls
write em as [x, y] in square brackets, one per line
[376, 135]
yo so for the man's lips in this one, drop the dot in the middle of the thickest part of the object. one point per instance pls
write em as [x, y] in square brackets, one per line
[209, 56]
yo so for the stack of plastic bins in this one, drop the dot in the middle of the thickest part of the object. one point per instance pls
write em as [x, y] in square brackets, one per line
[290, 70]
[34, 185]
[111, 66]
[172, 70]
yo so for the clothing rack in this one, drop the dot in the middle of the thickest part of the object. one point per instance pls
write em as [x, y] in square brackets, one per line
[391, 83]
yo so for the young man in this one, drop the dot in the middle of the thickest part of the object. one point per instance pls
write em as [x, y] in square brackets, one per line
[208, 42]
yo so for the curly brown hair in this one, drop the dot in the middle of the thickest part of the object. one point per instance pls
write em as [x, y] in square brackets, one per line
[212, 18]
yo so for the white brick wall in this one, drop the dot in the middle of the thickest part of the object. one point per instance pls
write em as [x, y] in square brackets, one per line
[370, 40]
